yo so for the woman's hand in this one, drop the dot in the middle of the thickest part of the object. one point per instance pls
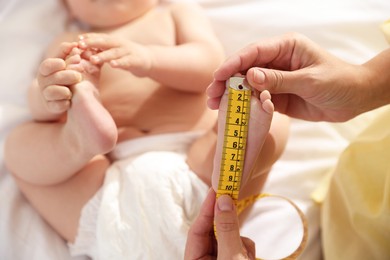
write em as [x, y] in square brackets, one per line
[201, 242]
[305, 81]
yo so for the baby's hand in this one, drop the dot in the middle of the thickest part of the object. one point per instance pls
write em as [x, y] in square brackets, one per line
[78, 60]
[54, 79]
[118, 52]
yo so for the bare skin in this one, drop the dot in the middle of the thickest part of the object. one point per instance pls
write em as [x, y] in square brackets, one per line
[202, 245]
[301, 77]
[306, 82]
[115, 85]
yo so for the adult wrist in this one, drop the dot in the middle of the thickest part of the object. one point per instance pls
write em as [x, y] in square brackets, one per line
[378, 81]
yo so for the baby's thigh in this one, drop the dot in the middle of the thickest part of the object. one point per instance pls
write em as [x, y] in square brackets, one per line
[61, 204]
[200, 156]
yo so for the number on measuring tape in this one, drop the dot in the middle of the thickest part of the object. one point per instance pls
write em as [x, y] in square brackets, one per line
[235, 137]
[233, 153]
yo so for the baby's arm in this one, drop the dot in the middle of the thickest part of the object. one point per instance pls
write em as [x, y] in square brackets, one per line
[188, 65]
[49, 94]
[195, 57]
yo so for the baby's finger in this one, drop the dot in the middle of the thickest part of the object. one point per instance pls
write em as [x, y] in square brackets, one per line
[76, 67]
[58, 107]
[86, 54]
[65, 49]
[64, 77]
[50, 66]
[56, 93]
[89, 67]
[100, 41]
[73, 59]
[108, 55]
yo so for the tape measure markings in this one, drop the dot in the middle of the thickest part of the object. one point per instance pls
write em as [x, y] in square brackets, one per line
[235, 139]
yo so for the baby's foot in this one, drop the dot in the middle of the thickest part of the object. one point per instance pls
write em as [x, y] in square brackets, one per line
[88, 122]
[261, 113]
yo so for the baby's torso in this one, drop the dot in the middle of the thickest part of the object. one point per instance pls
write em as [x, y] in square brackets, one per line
[141, 105]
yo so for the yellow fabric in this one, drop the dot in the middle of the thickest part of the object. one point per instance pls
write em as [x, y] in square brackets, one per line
[386, 30]
[356, 210]
[320, 192]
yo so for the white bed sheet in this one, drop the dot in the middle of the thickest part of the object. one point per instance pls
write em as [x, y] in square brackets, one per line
[348, 28]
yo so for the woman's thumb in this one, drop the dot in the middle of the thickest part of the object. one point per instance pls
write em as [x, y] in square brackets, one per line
[275, 81]
[228, 234]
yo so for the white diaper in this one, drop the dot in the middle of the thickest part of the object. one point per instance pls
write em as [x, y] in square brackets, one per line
[147, 203]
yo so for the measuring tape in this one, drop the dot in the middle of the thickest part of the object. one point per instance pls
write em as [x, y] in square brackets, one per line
[235, 137]
[233, 153]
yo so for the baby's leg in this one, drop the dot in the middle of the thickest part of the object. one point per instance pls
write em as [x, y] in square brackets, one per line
[273, 147]
[48, 153]
[60, 165]
[60, 205]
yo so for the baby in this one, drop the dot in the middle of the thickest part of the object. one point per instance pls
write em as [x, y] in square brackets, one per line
[121, 148]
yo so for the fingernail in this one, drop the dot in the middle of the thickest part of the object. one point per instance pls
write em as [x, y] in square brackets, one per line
[258, 76]
[225, 203]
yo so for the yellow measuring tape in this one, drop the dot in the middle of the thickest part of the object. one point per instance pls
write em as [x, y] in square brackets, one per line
[233, 152]
[236, 132]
